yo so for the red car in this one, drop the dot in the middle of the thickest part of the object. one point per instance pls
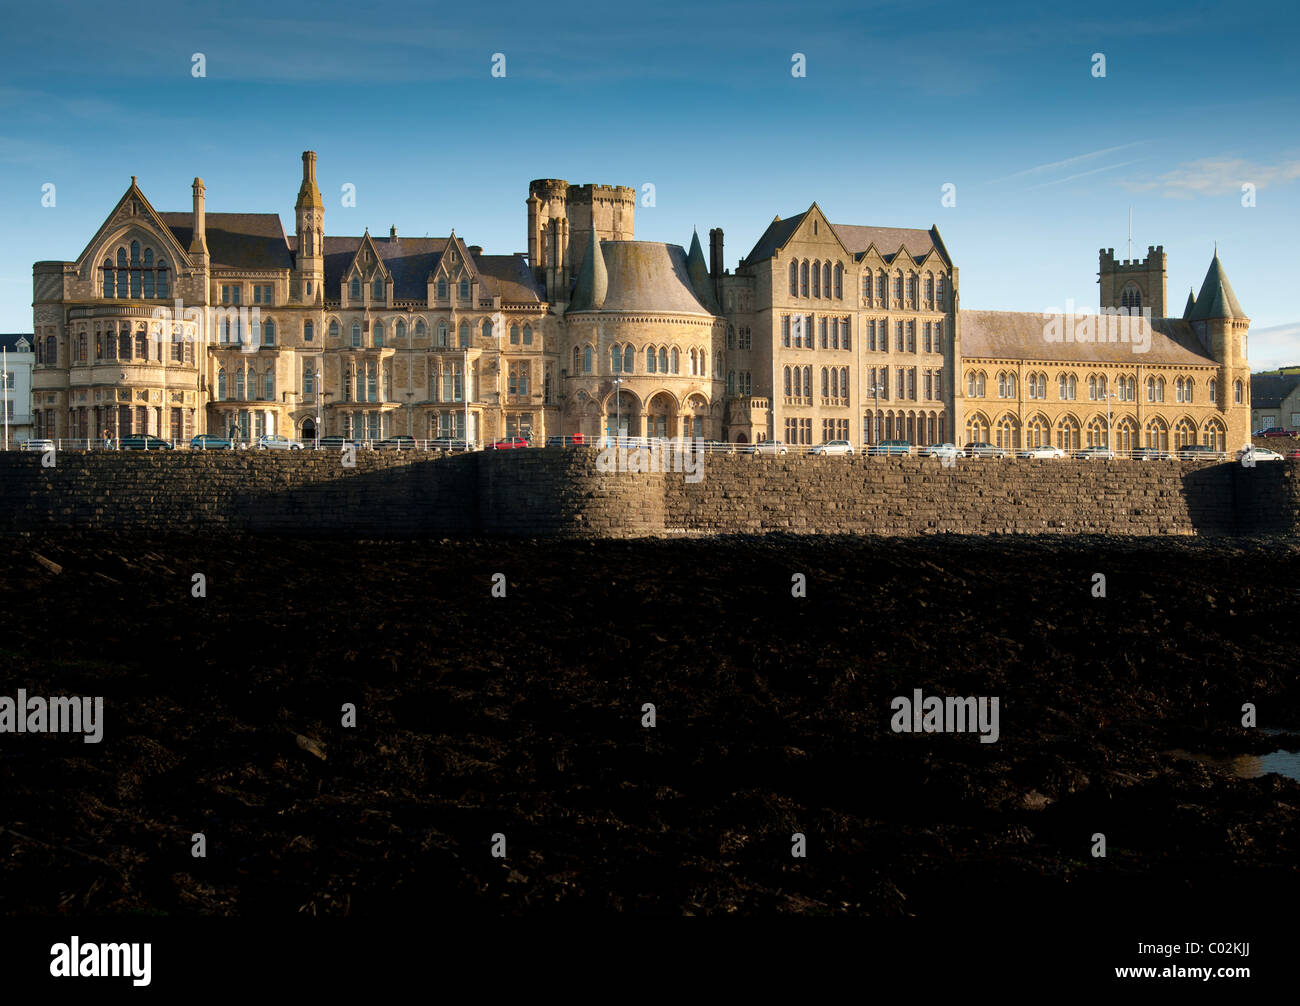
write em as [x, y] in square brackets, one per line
[509, 444]
[1276, 431]
[1293, 456]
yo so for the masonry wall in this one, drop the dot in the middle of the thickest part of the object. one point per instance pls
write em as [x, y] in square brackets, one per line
[555, 492]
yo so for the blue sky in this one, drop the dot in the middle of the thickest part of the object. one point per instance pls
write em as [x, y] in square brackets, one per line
[899, 100]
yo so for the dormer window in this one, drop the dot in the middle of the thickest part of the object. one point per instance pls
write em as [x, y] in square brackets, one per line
[442, 287]
[464, 289]
[356, 288]
[378, 290]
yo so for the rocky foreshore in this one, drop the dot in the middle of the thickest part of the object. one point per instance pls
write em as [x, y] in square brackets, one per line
[522, 716]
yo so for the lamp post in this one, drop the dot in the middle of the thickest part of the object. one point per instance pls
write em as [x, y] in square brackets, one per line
[321, 402]
[876, 389]
[1110, 395]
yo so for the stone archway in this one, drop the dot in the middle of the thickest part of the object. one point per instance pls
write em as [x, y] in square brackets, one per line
[661, 416]
[622, 414]
[308, 430]
[695, 418]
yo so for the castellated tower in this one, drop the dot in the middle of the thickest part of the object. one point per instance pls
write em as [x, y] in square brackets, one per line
[1136, 283]
[561, 219]
[308, 279]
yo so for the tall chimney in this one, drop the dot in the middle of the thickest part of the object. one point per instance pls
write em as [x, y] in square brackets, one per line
[199, 238]
[715, 252]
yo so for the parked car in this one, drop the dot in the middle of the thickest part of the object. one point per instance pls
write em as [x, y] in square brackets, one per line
[891, 447]
[1196, 452]
[1041, 451]
[984, 449]
[1150, 454]
[398, 442]
[942, 451]
[1276, 431]
[36, 445]
[145, 442]
[1095, 454]
[207, 442]
[275, 442]
[1259, 454]
[1293, 455]
[833, 447]
[719, 447]
[508, 444]
[577, 440]
[770, 447]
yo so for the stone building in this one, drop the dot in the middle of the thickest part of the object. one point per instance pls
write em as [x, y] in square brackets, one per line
[180, 323]
[16, 387]
[1275, 401]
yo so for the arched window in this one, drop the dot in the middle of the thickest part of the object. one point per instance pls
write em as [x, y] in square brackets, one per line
[1157, 434]
[1214, 435]
[123, 275]
[1237, 393]
[419, 328]
[487, 328]
[356, 333]
[514, 335]
[803, 280]
[239, 384]
[663, 359]
[442, 335]
[399, 330]
[1097, 433]
[816, 279]
[356, 288]
[1092, 387]
[221, 385]
[1214, 391]
[163, 284]
[576, 364]
[588, 359]
[615, 359]
[464, 289]
[839, 281]
[676, 357]
[977, 429]
[269, 385]
[1131, 297]
[307, 331]
[694, 367]
[108, 278]
[794, 278]
[379, 334]
[650, 359]
[629, 359]
[464, 335]
[731, 382]
[148, 272]
[826, 278]
[308, 382]
[528, 335]
[717, 364]
[377, 288]
[788, 383]
[334, 328]
[268, 332]
[442, 287]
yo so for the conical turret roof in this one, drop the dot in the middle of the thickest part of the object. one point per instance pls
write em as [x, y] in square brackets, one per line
[1191, 305]
[699, 273]
[1216, 299]
[593, 281]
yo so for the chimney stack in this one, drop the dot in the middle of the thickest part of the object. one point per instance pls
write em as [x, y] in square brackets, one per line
[199, 237]
[715, 252]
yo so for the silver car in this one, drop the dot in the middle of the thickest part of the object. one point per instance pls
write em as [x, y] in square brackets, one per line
[275, 442]
[833, 447]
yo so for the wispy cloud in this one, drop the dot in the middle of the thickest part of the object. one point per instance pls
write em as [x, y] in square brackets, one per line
[1069, 162]
[1084, 174]
[1212, 176]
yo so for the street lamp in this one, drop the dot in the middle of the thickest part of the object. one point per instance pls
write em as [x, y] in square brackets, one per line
[876, 389]
[320, 406]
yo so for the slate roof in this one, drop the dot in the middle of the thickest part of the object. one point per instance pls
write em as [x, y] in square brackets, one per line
[237, 240]
[886, 240]
[1018, 335]
[644, 276]
[1216, 299]
[10, 341]
[1269, 391]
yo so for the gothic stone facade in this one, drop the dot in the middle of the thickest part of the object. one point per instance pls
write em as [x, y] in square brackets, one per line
[824, 331]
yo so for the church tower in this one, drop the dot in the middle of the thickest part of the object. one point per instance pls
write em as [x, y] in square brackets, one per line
[309, 213]
[1138, 283]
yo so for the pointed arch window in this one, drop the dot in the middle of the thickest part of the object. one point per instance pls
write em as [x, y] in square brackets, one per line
[419, 328]
[309, 383]
[464, 335]
[487, 328]
[588, 359]
[356, 288]
[676, 361]
[123, 275]
[464, 289]
[794, 279]
[629, 359]
[109, 290]
[528, 335]
[334, 328]
[399, 330]
[442, 335]
[651, 358]
[377, 288]
[616, 359]
[663, 359]
[816, 279]
[268, 332]
[356, 334]
[269, 385]
[826, 278]
[239, 384]
[514, 335]
[839, 281]
[379, 334]
[221, 385]
[442, 287]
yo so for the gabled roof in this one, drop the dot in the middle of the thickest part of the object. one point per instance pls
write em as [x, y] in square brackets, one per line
[237, 240]
[890, 241]
[134, 207]
[917, 244]
[10, 342]
[411, 261]
[1216, 299]
[1269, 391]
[1019, 335]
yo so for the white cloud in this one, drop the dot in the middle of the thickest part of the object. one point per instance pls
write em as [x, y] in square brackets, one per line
[1275, 346]
[1216, 176]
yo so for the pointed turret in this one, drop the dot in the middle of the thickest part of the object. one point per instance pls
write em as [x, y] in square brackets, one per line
[1216, 299]
[1191, 305]
[698, 270]
[309, 218]
[593, 281]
